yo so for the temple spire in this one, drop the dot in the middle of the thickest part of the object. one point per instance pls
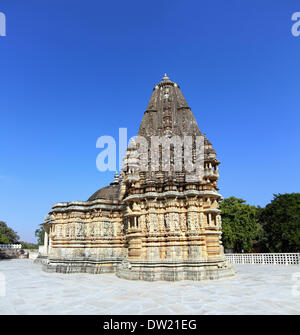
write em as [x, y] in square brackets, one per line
[166, 79]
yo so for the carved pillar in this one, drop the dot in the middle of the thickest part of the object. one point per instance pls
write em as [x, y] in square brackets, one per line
[46, 236]
[50, 239]
[209, 219]
[134, 237]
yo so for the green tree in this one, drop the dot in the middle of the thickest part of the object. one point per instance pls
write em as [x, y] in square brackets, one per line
[39, 234]
[7, 235]
[239, 224]
[280, 221]
[28, 245]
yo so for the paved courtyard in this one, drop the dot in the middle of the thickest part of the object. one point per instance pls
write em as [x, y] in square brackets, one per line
[256, 289]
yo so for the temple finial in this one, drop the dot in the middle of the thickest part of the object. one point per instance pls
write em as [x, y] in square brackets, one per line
[116, 179]
[165, 78]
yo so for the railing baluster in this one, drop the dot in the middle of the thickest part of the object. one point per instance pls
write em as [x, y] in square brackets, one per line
[264, 258]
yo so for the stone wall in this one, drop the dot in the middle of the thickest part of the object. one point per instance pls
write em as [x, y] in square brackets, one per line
[32, 253]
[84, 237]
[11, 253]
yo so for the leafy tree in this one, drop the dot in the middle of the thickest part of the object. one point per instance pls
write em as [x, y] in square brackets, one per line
[239, 224]
[39, 234]
[280, 221]
[26, 245]
[7, 235]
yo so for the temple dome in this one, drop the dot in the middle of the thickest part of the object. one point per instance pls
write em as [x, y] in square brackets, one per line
[110, 192]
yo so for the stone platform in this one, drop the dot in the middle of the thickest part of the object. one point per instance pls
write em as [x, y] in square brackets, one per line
[175, 270]
[256, 289]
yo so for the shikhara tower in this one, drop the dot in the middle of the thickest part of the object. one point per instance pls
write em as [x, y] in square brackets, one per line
[151, 223]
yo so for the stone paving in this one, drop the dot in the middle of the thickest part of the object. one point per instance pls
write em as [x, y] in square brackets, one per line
[256, 289]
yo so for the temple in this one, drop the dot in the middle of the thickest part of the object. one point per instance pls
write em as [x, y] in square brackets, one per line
[158, 220]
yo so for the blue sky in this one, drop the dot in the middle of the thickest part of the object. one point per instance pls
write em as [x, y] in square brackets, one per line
[71, 71]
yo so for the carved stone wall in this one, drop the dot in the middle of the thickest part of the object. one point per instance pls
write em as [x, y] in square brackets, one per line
[88, 238]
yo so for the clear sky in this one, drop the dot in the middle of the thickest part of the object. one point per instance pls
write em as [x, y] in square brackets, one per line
[71, 71]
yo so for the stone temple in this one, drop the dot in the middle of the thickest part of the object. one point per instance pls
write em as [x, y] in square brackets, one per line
[149, 223]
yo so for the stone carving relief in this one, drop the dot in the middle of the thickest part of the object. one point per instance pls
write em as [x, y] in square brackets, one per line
[161, 223]
[67, 231]
[92, 229]
[80, 229]
[183, 221]
[142, 223]
[107, 231]
[73, 230]
[154, 222]
[176, 221]
[167, 222]
[60, 231]
[196, 221]
[148, 223]
[190, 222]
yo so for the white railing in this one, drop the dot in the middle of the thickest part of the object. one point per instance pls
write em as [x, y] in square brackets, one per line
[10, 246]
[268, 258]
